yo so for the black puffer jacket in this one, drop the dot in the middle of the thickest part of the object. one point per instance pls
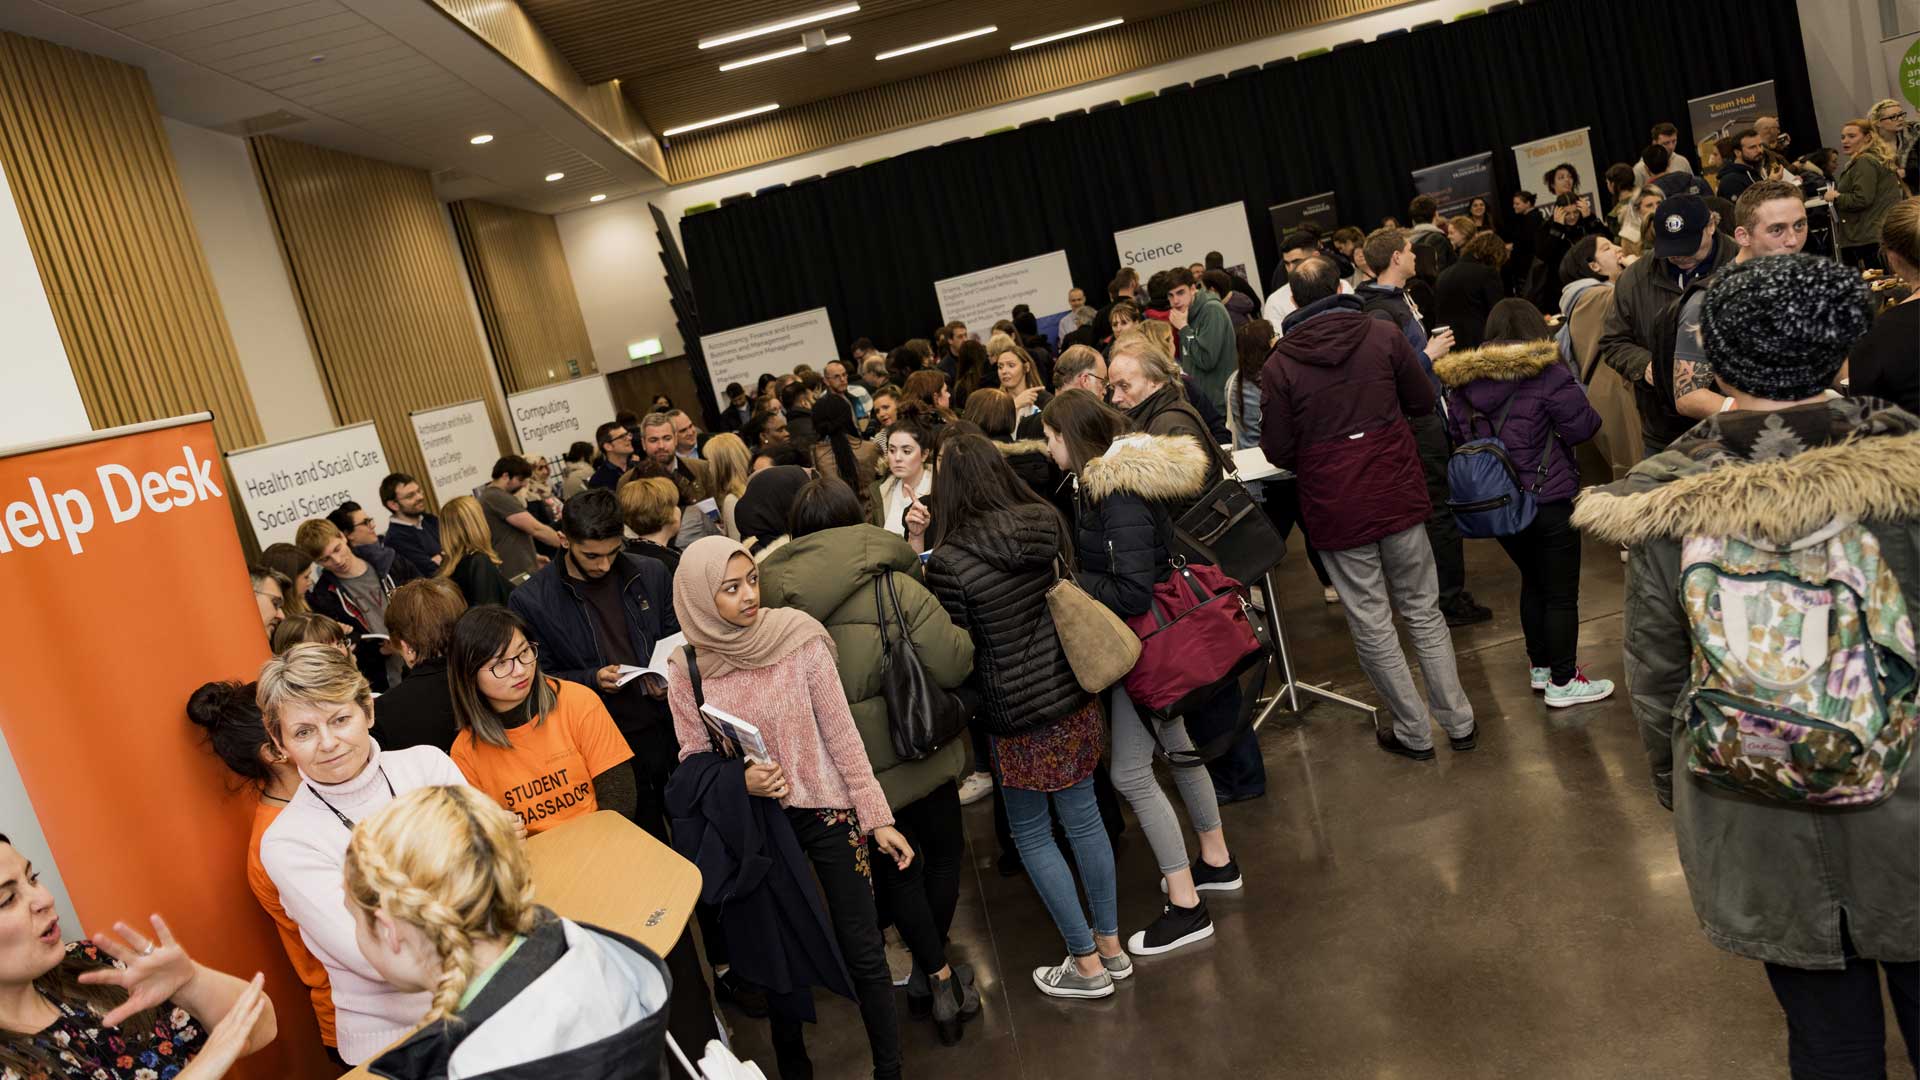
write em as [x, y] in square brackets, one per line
[1122, 534]
[992, 576]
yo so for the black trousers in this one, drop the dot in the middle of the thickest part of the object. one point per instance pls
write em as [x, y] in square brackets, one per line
[921, 899]
[839, 855]
[1836, 1023]
[1282, 507]
[1449, 554]
[1548, 555]
[1240, 773]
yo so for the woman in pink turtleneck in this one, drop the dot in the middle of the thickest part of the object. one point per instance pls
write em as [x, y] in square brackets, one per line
[319, 712]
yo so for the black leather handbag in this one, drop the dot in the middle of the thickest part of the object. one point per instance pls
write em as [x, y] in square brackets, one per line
[1229, 529]
[921, 716]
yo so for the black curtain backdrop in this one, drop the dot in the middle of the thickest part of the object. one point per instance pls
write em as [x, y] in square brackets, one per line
[869, 244]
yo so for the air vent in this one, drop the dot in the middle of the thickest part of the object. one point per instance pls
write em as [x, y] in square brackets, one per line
[450, 176]
[265, 122]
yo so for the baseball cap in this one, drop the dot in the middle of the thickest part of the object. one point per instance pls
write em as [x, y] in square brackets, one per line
[1678, 223]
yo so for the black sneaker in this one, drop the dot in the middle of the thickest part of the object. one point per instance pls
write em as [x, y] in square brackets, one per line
[741, 994]
[1176, 927]
[1216, 878]
[1465, 742]
[1465, 612]
[1009, 864]
[1393, 745]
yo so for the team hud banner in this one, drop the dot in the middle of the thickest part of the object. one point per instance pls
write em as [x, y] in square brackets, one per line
[1716, 116]
[1537, 161]
[1455, 184]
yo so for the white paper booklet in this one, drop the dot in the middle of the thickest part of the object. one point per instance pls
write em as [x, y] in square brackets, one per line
[656, 664]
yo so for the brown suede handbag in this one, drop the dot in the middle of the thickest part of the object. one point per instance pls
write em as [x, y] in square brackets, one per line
[1100, 647]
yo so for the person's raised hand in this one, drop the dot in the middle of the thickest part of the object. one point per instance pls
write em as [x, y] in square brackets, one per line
[154, 970]
[1025, 398]
[889, 840]
[917, 518]
[228, 1039]
[1440, 344]
[767, 781]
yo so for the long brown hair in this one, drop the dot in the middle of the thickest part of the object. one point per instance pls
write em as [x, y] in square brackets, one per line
[62, 985]
[974, 479]
[991, 408]
[1087, 425]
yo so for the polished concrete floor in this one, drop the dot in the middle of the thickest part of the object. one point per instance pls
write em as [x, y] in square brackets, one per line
[1517, 911]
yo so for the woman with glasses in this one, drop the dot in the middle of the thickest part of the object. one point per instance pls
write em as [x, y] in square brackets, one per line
[318, 712]
[542, 747]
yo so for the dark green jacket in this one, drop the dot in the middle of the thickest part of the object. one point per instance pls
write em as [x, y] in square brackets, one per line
[1769, 879]
[1863, 193]
[1208, 351]
[830, 575]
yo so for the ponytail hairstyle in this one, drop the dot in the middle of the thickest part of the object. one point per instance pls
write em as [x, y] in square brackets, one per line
[833, 423]
[231, 716]
[446, 861]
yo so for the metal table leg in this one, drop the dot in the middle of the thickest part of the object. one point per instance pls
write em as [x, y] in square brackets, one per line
[1292, 688]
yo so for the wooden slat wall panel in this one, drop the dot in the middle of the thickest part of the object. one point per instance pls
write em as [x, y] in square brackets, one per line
[378, 278]
[503, 25]
[1010, 77]
[98, 193]
[525, 292]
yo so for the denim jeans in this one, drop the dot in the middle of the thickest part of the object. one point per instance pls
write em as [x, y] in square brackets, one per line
[1047, 868]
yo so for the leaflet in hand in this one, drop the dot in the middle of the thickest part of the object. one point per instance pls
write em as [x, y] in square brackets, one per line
[656, 664]
[742, 737]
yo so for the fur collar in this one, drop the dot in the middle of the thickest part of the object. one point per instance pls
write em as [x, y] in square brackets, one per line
[1509, 361]
[1024, 446]
[1778, 500]
[1162, 468]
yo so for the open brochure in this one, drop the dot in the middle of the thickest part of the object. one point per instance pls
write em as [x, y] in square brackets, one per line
[742, 737]
[657, 663]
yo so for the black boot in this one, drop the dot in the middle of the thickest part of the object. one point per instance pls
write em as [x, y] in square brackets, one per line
[919, 995]
[951, 1007]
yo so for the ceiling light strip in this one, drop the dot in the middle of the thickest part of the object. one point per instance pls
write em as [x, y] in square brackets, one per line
[1088, 29]
[935, 43]
[785, 24]
[730, 117]
[796, 50]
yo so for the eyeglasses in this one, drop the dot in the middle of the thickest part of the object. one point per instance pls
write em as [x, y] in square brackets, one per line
[505, 667]
[366, 521]
[279, 603]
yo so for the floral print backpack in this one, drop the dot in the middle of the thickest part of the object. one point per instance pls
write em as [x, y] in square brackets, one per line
[1803, 682]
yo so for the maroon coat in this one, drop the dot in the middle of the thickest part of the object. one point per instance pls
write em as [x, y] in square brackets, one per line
[1336, 395]
[1546, 401]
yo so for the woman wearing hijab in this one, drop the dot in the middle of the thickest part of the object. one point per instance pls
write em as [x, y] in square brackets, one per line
[763, 510]
[776, 669]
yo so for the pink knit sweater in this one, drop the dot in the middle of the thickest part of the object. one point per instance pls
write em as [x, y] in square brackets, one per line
[802, 713]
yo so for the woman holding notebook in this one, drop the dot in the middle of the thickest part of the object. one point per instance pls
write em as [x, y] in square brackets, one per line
[775, 669]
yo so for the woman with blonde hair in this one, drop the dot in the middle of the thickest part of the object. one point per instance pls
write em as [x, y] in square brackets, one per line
[728, 464]
[1019, 377]
[318, 711]
[297, 566]
[442, 900]
[1866, 189]
[467, 557]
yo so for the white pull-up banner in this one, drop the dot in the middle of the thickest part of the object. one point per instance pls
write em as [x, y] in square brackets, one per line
[773, 347]
[283, 484]
[548, 419]
[984, 297]
[458, 443]
[1537, 160]
[1185, 240]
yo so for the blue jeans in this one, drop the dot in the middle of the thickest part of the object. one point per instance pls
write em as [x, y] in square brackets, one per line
[1092, 853]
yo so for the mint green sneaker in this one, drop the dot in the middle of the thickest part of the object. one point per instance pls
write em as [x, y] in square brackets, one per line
[1578, 691]
[1540, 677]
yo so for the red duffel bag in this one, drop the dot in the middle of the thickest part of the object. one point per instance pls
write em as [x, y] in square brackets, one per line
[1196, 638]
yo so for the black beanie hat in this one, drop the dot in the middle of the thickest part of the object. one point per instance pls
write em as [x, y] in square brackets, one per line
[1779, 327]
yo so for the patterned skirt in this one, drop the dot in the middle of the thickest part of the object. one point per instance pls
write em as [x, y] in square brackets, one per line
[1057, 756]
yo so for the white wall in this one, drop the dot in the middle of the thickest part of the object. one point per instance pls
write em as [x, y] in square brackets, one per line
[39, 399]
[244, 254]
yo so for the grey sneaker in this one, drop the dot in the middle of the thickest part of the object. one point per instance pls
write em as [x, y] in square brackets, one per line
[1066, 981]
[1119, 967]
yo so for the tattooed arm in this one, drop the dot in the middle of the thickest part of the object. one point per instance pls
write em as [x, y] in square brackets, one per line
[1693, 392]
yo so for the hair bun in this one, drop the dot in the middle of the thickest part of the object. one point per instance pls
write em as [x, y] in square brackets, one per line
[212, 702]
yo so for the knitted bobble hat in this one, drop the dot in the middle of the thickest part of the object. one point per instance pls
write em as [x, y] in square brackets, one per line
[1779, 327]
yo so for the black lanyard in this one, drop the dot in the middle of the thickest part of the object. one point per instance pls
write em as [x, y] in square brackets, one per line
[336, 812]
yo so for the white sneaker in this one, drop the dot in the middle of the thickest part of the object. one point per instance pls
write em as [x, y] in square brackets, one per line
[1540, 677]
[975, 787]
[1330, 594]
[1578, 691]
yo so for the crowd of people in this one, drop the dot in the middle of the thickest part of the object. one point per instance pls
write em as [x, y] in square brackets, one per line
[1741, 413]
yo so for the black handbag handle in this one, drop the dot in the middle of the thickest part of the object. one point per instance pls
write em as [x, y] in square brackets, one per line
[906, 631]
[700, 699]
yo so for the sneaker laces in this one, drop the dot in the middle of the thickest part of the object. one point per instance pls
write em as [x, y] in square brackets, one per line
[1066, 970]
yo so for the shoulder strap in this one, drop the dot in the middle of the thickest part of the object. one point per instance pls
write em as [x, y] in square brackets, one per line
[906, 632]
[693, 676]
[880, 613]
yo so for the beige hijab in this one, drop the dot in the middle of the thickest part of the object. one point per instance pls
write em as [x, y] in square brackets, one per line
[721, 647]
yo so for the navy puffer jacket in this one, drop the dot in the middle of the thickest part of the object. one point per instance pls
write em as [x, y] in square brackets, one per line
[1123, 533]
[1548, 402]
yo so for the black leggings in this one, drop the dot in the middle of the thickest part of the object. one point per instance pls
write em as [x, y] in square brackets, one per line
[1836, 1022]
[1547, 552]
[838, 852]
[921, 899]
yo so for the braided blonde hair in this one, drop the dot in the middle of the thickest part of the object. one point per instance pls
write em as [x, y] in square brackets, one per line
[446, 861]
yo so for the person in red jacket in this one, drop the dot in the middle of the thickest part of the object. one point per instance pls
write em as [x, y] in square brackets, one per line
[1339, 391]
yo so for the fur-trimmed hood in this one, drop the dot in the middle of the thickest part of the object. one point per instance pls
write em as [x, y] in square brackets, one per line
[1683, 492]
[1162, 468]
[1021, 446]
[1506, 361]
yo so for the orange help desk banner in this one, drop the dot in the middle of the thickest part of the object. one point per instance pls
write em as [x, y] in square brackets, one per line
[125, 589]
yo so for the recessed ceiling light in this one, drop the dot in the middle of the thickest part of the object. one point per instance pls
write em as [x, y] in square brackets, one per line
[741, 115]
[795, 50]
[596, 198]
[935, 43]
[1087, 29]
[552, 176]
[793, 23]
[481, 140]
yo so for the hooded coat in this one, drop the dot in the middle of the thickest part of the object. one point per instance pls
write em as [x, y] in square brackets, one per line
[1771, 880]
[1207, 348]
[1167, 412]
[1338, 392]
[992, 575]
[328, 598]
[1542, 401]
[1122, 532]
[830, 575]
[574, 1002]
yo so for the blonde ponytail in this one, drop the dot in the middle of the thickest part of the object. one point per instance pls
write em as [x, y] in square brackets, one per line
[447, 861]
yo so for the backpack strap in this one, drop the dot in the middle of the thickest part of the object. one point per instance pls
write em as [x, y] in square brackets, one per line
[699, 699]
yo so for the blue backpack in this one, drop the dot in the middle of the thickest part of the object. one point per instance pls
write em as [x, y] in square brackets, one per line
[1484, 488]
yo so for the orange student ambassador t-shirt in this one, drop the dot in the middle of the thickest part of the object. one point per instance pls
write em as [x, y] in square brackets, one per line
[311, 971]
[547, 777]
